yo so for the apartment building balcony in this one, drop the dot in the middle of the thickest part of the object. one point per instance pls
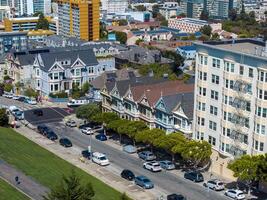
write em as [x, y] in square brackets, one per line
[163, 124]
[201, 98]
[261, 85]
[203, 68]
[131, 113]
[202, 84]
[239, 137]
[237, 151]
[261, 103]
[242, 87]
[119, 109]
[185, 129]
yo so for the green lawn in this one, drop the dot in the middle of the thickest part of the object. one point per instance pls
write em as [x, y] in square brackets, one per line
[43, 165]
[8, 192]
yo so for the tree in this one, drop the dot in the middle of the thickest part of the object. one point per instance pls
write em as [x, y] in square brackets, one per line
[168, 142]
[103, 31]
[206, 30]
[123, 22]
[71, 188]
[182, 15]
[137, 42]
[134, 127]
[8, 87]
[155, 10]
[204, 15]
[6, 77]
[88, 111]
[149, 136]
[29, 92]
[125, 197]
[140, 8]
[215, 36]
[121, 37]
[118, 126]
[3, 117]
[246, 168]
[37, 14]
[105, 117]
[198, 152]
[42, 22]
[85, 88]
[232, 14]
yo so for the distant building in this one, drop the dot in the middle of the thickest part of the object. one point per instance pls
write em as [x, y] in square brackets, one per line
[79, 19]
[169, 9]
[189, 25]
[18, 41]
[192, 8]
[27, 24]
[130, 16]
[114, 6]
[188, 52]
[4, 12]
[136, 55]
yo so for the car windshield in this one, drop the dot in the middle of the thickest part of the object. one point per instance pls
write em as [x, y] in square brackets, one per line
[149, 154]
[240, 194]
[156, 165]
[220, 183]
[103, 158]
[168, 163]
[146, 180]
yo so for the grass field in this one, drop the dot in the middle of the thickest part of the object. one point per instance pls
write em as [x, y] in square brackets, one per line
[9, 192]
[44, 166]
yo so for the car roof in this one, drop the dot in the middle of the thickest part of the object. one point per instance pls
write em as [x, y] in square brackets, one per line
[98, 154]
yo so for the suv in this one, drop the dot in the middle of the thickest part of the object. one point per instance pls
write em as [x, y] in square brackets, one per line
[194, 176]
[100, 159]
[143, 182]
[214, 184]
[146, 155]
[127, 174]
[175, 197]
[152, 166]
[38, 112]
[235, 194]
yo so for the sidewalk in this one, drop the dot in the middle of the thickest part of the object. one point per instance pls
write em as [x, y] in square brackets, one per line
[73, 156]
[27, 185]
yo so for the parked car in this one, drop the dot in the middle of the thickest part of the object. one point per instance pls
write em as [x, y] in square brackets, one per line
[51, 135]
[101, 137]
[146, 155]
[127, 174]
[87, 131]
[84, 126]
[71, 123]
[194, 176]
[166, 164]
[143, 182]
[152, 166]
[15, 97]
[42, 129]
[175, 197]
[65, 142]
[235, 194]
[8, 95]
[21, 98]
[19, 115]
[86, 154]
[214, 184]
[13, 109]
[30, 101]
[38, 112]
[129, 149]
[100, 159]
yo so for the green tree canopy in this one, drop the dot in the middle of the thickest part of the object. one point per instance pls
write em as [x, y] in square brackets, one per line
[71, 188]
[8, 87]
[85, 88]
[29, 92]
[141, 8]
[88, 111]
[121, 37]
[206, 30]
[149, 136]
[3, 117]
[204, 15]
[42, 22]
[105, 117]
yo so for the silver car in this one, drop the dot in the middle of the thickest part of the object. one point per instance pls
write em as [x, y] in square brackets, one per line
[166, 164]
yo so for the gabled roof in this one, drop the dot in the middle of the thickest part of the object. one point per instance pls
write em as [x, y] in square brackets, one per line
[184, 100]
[188, 48]
[87, 56]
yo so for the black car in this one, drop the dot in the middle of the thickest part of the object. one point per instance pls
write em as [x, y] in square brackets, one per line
[127, 174]
[175, 197]
[38, 112]
[194, 176]
[42, 129]
[86, 154]
[51, 135]
[22, 99]
[65, 142]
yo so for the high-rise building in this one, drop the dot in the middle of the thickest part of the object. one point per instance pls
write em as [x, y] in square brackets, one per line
[231, 96]
[43, 6]
[114, 6]
[218, 8]
[192, 8]
[79, 19]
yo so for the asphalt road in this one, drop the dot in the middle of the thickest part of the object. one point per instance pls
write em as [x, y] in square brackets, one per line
[121, 160]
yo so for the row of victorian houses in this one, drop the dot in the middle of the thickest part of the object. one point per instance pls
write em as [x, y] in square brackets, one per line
[159, 103]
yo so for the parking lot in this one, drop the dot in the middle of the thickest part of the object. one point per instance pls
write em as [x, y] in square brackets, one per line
[50, 115]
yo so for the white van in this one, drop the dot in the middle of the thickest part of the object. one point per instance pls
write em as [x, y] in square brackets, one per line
[100, 159]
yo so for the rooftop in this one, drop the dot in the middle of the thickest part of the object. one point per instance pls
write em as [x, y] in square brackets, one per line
[191, 20]
[242, 46]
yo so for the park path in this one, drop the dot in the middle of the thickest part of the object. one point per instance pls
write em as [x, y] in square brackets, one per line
[27, 185]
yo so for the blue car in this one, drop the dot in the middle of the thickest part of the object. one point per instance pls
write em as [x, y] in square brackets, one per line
[143, 182]
[101, 137]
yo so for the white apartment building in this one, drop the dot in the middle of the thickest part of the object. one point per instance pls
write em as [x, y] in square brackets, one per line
[114, 6]
[190, 25]
[230, 104]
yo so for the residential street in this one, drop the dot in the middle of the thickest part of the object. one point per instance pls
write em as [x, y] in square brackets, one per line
[166, 181]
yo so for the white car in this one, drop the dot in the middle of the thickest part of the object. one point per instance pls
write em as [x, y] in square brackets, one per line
[235, 194]
[87, 131]
[214, 184]
[15, 97]
[30, 101]
[100, 158]
[152, 166]
[8, 95]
